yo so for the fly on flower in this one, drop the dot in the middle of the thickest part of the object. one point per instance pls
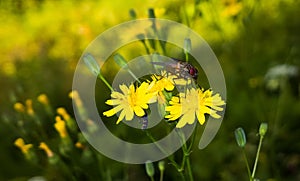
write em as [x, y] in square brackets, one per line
[180, 68]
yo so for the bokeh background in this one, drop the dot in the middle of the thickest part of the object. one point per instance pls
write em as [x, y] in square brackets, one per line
[256, 42]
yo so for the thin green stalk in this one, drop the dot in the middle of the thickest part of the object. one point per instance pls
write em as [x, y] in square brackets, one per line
[132, 74]
[186, 158]
[105, 81]
[161, 178]
[152, 179]
[193, 139]
[161, 149]
[247, 165]
[257, 156]
[190, 172]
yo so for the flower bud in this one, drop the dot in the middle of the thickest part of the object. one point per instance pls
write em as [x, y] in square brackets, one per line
[151, 13]
[149, 168]
[120, 60]
[240, 137]
[161, 165]
[132, 13]
[263, 129]
[92, 64]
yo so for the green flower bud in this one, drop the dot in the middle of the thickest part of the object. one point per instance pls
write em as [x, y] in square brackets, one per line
[92, 64]
[132, 13]
[149, 168]
[151, 13]
[187, 47]
[263, 129]
[161, 165]
[120, 60]
[240, 137]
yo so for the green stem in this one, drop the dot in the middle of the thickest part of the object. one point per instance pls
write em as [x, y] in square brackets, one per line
[193, 139]
[186, 156]
[161, 178]
[132, 74]
[257, 156]
[188, 163]
[152, 179]
[105, 81]
[186, 57]
[247, 165]
[161, 149]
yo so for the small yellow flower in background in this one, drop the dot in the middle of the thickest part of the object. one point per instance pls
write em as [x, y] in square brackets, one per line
[47, 150]
[19, 107]
[43, 99]
[62, 111]
[232, 8]
[131, 101]
[60, 127]
[22, 146]
[79, 145]
[29, 107]
[75, 96]
[194, 101]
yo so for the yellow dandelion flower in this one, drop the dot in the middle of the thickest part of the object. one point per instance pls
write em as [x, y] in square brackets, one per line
[194, 102]
[75, 96]
[158, 85]
[19, 107]
[79, 145]
[60, 127]
[131, 101]
[44, 146]
[232, 8]
[29, 107]
[22, 146]
[43, 99]
[62, 111]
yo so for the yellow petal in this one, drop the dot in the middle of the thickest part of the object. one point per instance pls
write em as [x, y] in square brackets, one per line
[121, 117]
[112, 111]
[124, 88]
[201, 118]
[186, 118]
[139, 111]
[113, 102]
[128, 114]
[116, 95]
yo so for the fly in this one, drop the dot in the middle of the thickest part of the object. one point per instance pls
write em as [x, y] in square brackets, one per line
[180, 68]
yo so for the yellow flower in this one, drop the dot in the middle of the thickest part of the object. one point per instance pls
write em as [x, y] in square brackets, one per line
[158, 85]
[45, 147]
[62, 111]
[21, 144]
[194, 101]
[131, 101]
[19, 107]
[232, 8]
[29, 107]
[79, 145]
[75, 96]
[60, 127]
[42, 98]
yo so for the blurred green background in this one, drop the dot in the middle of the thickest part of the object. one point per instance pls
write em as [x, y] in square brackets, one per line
[41, 42]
